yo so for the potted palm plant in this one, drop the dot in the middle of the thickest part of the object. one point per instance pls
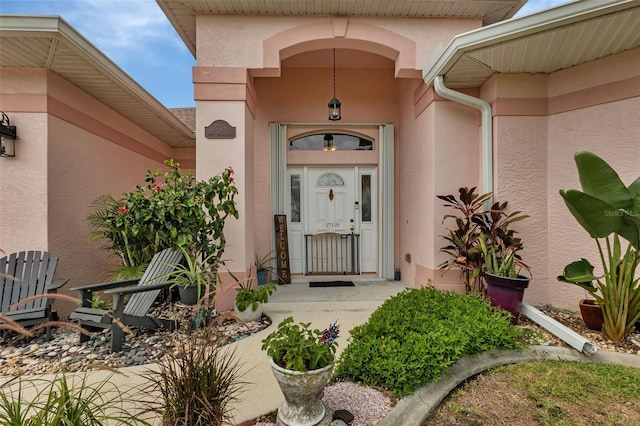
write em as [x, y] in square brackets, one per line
[505, 284]
[610, 212]
[194, 276]
[302, 361]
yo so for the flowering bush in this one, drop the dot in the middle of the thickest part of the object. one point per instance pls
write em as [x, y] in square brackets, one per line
[170, 210]
[297, 347]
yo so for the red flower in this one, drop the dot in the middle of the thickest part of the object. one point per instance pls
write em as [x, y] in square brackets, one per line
[158, 186]
[229, 170]
[231, 180]
[178, 207]
[122, 209]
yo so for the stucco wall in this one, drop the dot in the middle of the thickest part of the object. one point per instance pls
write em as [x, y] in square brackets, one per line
[71, 150]
[610, 130]
[237, 40]
[540, 122]
[23, 186]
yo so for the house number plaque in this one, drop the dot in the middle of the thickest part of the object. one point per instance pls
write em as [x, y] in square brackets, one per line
[282, 248]
[220, 129]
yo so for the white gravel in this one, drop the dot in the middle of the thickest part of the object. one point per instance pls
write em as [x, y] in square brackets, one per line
[367, 405]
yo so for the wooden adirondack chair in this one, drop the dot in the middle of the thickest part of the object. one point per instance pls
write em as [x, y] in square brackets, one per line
[143, 293]
[25, 274]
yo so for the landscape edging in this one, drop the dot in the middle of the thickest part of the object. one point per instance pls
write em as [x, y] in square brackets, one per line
[415, 409]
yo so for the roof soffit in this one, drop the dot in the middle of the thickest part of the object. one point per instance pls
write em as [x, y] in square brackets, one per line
[182, 13]
[49, 42]
[542, 43]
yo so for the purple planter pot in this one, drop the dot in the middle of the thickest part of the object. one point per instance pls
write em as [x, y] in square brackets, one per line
[506, 293]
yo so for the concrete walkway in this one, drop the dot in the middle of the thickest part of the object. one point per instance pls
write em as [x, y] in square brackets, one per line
[350, 306]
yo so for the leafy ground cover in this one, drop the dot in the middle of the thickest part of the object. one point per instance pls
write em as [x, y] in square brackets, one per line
[420, 333]
[546, 393]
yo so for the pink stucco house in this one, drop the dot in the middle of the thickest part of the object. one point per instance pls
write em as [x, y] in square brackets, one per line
[436, 94]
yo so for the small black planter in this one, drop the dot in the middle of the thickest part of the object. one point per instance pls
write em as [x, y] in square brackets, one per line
[507, 293]
[188, 295]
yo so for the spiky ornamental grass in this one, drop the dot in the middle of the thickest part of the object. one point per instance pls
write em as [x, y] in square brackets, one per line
[198, 382]
[67, 401]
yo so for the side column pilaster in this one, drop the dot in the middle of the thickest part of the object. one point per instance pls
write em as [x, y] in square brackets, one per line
[228, 94]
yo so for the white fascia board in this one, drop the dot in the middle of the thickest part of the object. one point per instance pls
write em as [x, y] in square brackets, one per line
[177, 26]
[55, 26]
[112, 71]
[520, 27]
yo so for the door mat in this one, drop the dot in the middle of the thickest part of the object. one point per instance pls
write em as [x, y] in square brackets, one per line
[331, 284]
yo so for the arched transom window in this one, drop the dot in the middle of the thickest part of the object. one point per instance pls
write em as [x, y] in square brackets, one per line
[340, 142]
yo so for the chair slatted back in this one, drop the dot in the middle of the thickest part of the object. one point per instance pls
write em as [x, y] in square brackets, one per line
[157, 272]
[25, 274]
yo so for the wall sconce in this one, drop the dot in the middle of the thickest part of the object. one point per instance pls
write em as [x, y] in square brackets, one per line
[7, 137]
[334, 103]
[328, 143]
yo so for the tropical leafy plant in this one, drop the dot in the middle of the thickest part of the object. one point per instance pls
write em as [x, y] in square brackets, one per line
[474, 223]
[171, 209]
[249, 296]
[610, 212]
[502, 260]
[194, 271]
[297, 347]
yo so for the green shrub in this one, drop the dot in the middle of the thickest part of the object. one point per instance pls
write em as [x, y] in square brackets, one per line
[171, 209]
[417, 335]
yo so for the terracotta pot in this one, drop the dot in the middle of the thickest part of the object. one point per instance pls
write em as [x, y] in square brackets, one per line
[302, 393]
[591, 314]
[507, 293]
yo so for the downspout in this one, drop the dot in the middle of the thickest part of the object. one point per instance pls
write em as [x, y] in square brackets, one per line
[567, 335]
[486, 128]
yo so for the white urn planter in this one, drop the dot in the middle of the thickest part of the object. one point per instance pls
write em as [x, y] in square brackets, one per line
[248, 314]
[302, 392]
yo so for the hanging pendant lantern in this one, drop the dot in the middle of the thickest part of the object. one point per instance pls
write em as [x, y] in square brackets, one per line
[334, 104]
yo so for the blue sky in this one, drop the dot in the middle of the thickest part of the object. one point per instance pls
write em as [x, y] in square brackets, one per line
[137, 36]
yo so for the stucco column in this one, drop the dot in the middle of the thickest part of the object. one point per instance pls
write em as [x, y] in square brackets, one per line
[227, 94]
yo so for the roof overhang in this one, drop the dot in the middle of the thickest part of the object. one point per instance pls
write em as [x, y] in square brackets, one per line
[182, 13]
[544, 42]
[28, 41]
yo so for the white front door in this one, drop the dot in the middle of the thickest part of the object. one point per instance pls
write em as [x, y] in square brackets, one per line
[332, 203]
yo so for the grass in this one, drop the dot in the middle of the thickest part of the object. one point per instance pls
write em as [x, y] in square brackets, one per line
[546, 393]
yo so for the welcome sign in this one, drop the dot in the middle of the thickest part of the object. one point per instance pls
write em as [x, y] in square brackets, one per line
[282, 248]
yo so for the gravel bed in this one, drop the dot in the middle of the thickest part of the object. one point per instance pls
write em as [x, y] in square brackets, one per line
[20, 355]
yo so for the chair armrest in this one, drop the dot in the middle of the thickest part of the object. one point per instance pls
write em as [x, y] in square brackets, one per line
[105, 286]
[56, 284]
[138, 288]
